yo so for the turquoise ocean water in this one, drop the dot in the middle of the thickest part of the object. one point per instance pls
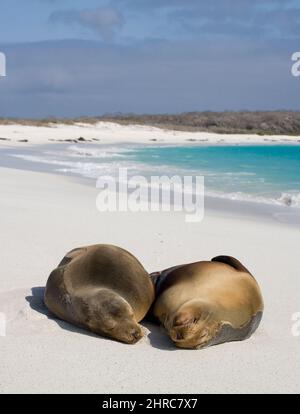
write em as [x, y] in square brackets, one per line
[257, 173]
[265, 174]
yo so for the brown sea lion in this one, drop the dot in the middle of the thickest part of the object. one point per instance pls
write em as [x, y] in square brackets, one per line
[207, 303]
[102, 288]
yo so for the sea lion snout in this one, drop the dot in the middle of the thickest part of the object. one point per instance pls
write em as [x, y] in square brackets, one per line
[191, 336]
[130, 333]
[179, 334]
[191, 325]
[181, 327]
[136, 334]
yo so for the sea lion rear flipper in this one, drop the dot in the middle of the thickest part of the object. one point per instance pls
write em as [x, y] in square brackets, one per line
[231, 261]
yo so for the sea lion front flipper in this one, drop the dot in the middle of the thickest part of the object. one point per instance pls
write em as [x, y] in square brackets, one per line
[229, 334]
[231, 261]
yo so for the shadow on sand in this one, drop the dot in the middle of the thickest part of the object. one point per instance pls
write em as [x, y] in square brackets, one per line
[157, 337]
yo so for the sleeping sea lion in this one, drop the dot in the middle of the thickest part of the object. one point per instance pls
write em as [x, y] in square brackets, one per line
[207, 303]
[102, 288]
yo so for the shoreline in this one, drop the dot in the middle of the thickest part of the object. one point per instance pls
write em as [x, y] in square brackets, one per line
[221, 204]
[226, 207]
[109, 133]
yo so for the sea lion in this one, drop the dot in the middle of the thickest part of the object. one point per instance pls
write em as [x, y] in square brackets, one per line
[207, 303]
[102, 288]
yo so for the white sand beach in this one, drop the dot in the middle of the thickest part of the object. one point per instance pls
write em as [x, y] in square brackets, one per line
[43, 216]
[108, 132]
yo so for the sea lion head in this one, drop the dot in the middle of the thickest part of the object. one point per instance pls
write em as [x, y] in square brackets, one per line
[193, 325]
[112, 316]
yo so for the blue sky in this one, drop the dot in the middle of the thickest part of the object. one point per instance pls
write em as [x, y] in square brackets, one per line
[74, 57]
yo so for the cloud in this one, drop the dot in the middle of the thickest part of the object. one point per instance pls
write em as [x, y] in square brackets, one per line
[250, 18]
[194, 4]
[104, 21]
[239, 18]
[213, 55]
[73, 78]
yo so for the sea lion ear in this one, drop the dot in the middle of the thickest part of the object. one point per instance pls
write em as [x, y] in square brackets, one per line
[231, 261]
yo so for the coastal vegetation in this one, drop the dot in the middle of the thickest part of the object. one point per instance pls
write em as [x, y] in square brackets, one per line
[262, 123]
